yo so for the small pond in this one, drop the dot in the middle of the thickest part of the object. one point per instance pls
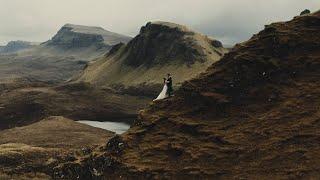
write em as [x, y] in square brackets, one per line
[117, 127]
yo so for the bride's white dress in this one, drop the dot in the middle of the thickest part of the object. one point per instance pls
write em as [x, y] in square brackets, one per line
[163, 93]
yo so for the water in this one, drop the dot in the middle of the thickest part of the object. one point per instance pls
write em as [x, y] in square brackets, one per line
[116, 127]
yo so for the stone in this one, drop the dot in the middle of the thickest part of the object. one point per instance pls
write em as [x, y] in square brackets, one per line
[306, 11]
[216, 43]
[115, 144]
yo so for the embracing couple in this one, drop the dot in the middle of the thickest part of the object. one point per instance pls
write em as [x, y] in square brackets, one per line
[167, 90]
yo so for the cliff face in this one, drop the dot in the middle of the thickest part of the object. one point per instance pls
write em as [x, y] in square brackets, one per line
[163, 42]
[158, 49]
[66, 38]
[76, 36]
[253, 114]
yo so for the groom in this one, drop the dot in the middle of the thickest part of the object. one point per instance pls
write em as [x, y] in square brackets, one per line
[169, 84]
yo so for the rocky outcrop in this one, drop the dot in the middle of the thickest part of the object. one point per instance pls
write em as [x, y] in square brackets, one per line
[306, 11]
[69, 39]
[76, 36]
[162, 43]
[253, 114]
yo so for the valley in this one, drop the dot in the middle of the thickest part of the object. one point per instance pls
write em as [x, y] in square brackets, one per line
[108, 89]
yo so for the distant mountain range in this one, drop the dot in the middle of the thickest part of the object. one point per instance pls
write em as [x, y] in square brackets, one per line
[58, 59]
[14, 46]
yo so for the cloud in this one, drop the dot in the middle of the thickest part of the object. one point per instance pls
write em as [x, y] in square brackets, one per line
[228, 20]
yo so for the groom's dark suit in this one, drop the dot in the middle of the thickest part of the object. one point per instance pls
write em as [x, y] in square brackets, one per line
[169, 84]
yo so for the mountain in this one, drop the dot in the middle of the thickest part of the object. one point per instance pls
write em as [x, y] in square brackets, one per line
[58, 59]
[159, 48]
[253, 114]
[14, 46]
[83, 41]
[74, 36]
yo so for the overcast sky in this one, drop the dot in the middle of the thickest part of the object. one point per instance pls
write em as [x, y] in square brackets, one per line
[227, 20]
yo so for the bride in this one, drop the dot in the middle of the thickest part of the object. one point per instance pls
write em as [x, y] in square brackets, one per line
[163, 93]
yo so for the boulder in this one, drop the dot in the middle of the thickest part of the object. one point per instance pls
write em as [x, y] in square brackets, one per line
[216, 43]
[306, 11]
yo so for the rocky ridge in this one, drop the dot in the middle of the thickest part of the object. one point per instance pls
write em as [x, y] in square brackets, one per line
[76, 36]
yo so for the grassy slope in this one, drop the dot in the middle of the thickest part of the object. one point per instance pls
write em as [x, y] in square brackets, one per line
[34, 147]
